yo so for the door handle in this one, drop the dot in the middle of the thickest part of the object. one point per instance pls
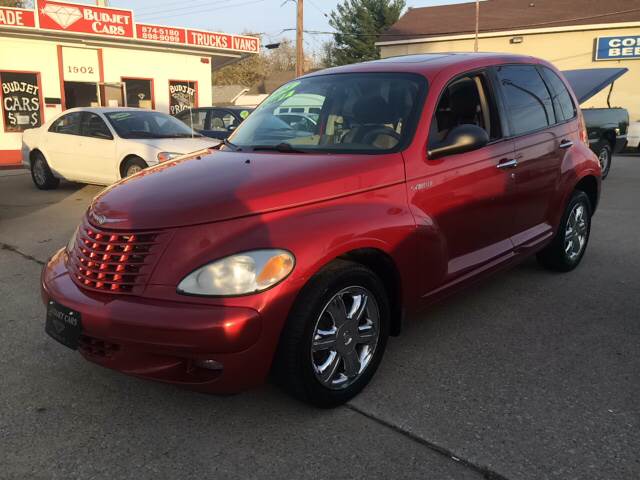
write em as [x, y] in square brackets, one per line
[566, 144]
[513, 163]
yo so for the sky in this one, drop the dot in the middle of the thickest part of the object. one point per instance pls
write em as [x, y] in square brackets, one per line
[269, 17]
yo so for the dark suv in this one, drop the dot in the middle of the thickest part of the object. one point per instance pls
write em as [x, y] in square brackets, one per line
[214, 122]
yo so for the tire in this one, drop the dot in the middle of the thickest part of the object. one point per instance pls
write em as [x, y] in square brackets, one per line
[298, 369]
[132, 166]
[41, 174]
[605, 156]
[574, 229]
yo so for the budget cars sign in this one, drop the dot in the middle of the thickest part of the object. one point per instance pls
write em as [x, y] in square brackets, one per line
[71, 17]
[618, 48]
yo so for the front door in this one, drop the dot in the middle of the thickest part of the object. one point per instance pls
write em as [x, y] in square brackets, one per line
[96, 151]
[467, 196]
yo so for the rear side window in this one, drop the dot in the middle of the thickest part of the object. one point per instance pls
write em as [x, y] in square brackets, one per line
[69, 124]
[565, 109]
[527, 98]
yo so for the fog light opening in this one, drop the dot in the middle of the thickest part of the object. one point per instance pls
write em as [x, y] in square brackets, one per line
[208, 364]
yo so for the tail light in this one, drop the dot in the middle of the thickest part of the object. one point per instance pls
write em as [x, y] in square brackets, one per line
[582, 126]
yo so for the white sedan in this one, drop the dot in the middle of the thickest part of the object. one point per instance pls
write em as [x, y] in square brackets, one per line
[103, 145]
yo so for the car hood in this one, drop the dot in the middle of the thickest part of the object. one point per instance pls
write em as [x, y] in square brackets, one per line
[223, 185]
[178, 145]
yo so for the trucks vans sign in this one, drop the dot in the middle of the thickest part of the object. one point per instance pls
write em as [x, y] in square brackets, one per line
[70, 17]
[618, 48]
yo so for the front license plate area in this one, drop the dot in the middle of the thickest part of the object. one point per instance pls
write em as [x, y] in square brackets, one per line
[63, 324]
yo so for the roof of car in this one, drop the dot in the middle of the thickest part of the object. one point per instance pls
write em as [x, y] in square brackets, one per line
[106, 109]
[430, 63]
[233, 108]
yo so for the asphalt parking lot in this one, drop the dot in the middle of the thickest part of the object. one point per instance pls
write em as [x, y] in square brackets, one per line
[530, 375]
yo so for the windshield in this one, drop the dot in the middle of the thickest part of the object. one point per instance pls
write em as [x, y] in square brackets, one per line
[359, 113]
[147, 124]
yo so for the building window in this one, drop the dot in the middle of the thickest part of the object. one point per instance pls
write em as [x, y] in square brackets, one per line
[138, 92]
[21, 100]
[183, 94]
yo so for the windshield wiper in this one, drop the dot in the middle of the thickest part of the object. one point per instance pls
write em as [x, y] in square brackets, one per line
[231, 145]
[283, 147]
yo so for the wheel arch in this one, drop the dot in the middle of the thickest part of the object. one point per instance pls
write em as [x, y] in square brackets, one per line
[32, 155]
[610, 137]
[589, 185]
[124, 161]
[383, 265]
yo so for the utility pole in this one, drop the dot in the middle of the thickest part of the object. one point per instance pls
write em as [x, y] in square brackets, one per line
[299, 40]
[102, 3]
[475, 47]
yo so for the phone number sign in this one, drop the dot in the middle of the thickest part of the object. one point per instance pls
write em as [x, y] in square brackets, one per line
[618, 48]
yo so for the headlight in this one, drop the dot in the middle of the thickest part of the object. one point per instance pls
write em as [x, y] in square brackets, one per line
[72, 240]
[240, 274]
[164, 156]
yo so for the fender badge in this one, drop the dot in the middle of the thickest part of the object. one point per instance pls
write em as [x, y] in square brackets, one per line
[422, 185]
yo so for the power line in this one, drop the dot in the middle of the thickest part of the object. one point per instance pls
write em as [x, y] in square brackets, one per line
[196, 4]
[204, 10]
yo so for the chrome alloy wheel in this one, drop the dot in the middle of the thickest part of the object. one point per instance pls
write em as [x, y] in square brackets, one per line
[133, 169]
[39, 172]
[604, 157]
[345, 337]
[575, 236]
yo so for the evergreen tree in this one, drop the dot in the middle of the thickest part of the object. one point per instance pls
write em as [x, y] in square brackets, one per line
[358, 24]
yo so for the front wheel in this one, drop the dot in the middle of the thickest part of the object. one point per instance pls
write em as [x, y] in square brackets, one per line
[568, 246]
[133, 166]
[41, 174]
[335, 336]
[605, 154]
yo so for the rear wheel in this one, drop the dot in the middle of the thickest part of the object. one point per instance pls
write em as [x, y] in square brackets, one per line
[41, 174]
[132, 166]
[335, 336]
[568, 246]
[605, 154]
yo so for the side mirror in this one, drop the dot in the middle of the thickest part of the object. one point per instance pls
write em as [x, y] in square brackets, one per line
[232, 127]
[463, 138]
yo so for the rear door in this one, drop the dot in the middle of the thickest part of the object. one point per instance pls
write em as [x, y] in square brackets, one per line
[540, 145]
[61, 143]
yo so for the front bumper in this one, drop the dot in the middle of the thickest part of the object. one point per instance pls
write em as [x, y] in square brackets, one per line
[164, 340]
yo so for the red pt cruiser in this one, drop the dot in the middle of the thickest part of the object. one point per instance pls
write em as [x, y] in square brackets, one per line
[297, 248]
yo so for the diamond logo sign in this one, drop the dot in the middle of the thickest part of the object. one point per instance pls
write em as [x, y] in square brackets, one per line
[63, 15]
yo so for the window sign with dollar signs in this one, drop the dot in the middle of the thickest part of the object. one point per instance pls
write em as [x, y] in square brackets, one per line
[21, 100]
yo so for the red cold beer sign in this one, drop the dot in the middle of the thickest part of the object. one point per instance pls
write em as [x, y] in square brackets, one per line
[71, 17]
[117, 22]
